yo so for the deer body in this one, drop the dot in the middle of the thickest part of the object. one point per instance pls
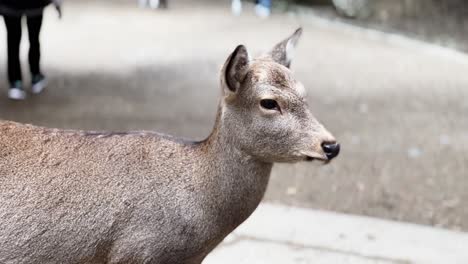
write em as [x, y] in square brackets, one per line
[142, 197]
[142, 193]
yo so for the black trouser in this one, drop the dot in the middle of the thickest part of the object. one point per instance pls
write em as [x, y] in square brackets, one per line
[13, 26]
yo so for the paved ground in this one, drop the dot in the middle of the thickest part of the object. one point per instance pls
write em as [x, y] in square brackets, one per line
[303, 236]
[399, 108]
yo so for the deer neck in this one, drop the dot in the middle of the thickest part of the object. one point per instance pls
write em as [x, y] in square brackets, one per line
[237, 181]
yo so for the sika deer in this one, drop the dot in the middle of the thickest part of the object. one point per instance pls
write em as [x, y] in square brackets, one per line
[141, 197]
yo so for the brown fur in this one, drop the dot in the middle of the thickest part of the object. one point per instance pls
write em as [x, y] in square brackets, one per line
[142, 197]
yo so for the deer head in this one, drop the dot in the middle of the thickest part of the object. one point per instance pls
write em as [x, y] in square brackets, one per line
[264, 109]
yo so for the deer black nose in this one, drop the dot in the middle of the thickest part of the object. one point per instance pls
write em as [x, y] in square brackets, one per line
[331, 149]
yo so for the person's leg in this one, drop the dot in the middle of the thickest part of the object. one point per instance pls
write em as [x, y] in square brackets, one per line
[155, 4]
[13, 26]
[263, 8]
[236, 7]
[34, 30]
[266, 3]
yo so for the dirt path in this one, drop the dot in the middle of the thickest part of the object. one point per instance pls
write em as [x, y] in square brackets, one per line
[399, 110]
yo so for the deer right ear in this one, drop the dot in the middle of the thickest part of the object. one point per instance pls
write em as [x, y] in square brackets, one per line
[235, 70]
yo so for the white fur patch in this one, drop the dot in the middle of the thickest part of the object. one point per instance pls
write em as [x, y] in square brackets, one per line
[300, 89]
[289, 51]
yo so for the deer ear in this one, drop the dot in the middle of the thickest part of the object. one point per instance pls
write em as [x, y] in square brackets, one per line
[283, 52]
[235, 70]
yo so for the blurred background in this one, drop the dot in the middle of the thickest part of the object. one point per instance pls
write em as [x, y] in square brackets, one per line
[388, 78]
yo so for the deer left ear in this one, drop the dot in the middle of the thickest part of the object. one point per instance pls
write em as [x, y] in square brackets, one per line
[283, 52]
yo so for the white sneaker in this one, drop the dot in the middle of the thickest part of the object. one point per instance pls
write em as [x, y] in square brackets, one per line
[262, 11]
[236, 7]
[39, 83]
[16, 92]
[154, 4]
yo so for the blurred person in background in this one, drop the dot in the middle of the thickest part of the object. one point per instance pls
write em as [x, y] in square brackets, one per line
[153, 4]
[13, 12]
[262, 8]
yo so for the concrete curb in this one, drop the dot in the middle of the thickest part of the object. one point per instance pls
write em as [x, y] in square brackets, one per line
[279, 234]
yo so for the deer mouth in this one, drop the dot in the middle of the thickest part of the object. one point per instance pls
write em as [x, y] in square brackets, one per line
[310, 156]
[310, 159]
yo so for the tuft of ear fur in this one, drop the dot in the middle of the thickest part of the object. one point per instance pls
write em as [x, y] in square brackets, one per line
[236, 68]
[283, 52]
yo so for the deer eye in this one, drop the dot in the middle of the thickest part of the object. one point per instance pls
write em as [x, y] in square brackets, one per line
[269, 104]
